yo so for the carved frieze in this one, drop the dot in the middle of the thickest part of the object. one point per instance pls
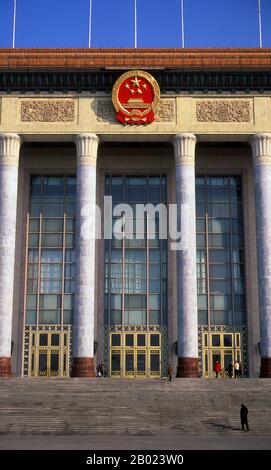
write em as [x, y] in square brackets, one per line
[166, 111]
[223, 111]
[48, 111]
[106, 114]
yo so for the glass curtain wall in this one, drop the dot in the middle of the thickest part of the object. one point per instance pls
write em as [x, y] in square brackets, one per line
[135, 301]
[50, 253]
[220, 257]
[136, 269]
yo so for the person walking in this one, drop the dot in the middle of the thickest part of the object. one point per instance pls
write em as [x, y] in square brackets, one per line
[217, 369]
[170, 372]
[100, 370]
[243, 417]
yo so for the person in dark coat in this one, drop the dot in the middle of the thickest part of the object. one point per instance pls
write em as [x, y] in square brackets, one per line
[243, 417]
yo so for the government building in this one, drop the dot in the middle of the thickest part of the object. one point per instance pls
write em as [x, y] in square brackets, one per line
[183, 128]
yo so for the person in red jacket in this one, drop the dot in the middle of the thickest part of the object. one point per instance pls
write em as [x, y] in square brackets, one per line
[217, 369]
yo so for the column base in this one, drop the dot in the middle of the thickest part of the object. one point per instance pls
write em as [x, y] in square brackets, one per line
[265, 371]
[188, 367]
[83, 367]
[5, 367]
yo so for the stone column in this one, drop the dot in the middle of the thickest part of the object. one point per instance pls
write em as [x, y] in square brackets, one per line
[184, 147]
[9, 161]
[261, 148]
[83, 351]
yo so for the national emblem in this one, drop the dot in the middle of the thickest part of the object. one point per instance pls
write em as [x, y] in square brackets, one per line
[136, 97]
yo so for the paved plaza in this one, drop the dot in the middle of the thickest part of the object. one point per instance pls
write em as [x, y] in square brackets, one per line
[236, 442]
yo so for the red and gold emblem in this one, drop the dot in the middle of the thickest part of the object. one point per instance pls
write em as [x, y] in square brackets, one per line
[136, 96]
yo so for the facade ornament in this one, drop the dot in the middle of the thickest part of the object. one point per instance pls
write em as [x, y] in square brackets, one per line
[166, 111]
[136, 97]
[184, 148]
[223, 111]
[48, 111]
[9, 149]
[261, 149]
[87, 147]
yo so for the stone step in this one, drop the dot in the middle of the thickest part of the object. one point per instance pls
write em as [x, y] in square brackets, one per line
[134, 407]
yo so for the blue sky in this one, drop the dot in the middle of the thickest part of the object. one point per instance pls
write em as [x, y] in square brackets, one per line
[64, 23]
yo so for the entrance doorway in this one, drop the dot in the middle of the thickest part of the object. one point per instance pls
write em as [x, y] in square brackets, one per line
[49, 354]
[222, 347]
[135, 355]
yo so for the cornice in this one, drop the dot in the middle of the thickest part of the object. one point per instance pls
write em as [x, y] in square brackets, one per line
[174, 81]
[125, 58]
[176, 70]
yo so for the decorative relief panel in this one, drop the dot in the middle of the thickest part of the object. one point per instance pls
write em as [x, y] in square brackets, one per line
[48, 111]
[223, 111]
[165, 113]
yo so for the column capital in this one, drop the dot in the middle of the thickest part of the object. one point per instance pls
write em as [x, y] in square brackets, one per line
[184, 148]
[87, 148]
[9, 149]
[261, 148]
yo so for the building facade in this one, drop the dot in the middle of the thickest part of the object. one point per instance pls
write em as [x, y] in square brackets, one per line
[70, 297]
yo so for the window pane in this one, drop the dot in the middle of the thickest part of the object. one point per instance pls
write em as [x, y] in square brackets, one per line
[203, 317]
[68, 301]
[129, 340]
[134, 317]
[50, 301]
[221, 317]
[31, 302]
[202, 302]
[115, 362]
[215, 340]
[154, 302]
[155, 317]
[116, 302]
[135, 301]
[220, 271]
[54, 362]
[68, 317]
[155, 340]
[227, 341]
[141, 340]
[115, 340]
[42, 362]
[48, 286]
[54, 340]
[43, 340]
[219, 225]
[219, 256]
[239, 317]
[52, 225]
[31, 317]
[115, 317]
[51, 271]
[155, 359]
[51, 256]
[49, 316]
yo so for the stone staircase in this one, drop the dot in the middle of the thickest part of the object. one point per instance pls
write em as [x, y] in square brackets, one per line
[133, 406]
